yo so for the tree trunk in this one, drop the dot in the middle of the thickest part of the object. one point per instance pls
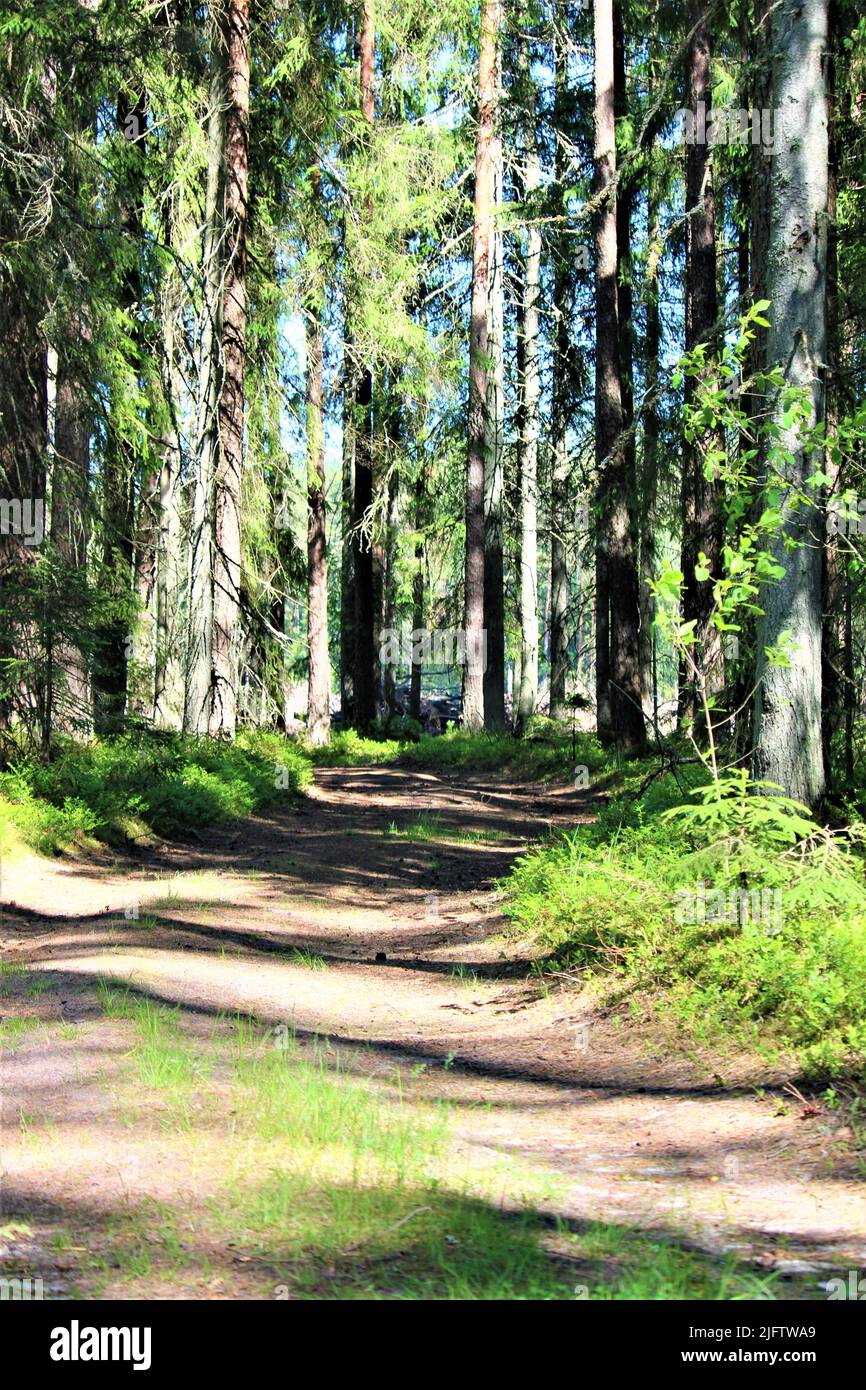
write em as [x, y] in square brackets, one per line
[141, 686]
[649, 480]
[365, 693]
[832, 629]
[319, 670]
[757, 36]
[619, 715]
[417, 601]
[494, 479]
[701, 500]
[559, 474]
[473, 672]
[530, 390]
[113, 644]
[198, 673]
[347, 492]
[70, 697]
[235, 35]
[787, 716]
[168, 676]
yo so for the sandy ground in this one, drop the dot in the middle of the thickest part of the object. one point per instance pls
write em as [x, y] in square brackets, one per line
[632, 1131]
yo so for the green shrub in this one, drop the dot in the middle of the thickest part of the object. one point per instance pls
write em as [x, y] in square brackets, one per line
[548, 756]
[736, 930]
[131, 786]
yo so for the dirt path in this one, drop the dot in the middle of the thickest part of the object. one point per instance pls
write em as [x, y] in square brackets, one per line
[403, 963]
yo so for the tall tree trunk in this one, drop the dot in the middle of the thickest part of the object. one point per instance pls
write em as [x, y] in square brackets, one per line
[113, 650]
[168, 675]
[494, 462]
[756, 34]
[69, 524]
[365, 692]
[198, 672]
[788, 700]
[417, 600]
[392, 435]
[141, 687]
[619, 712]
[559, 474]
[347, 563]
[235, 35]
[473, 673]
[530, 390]
[627, 710]
[701, 499]
[319, 670]
[649, 480]
[832, 628]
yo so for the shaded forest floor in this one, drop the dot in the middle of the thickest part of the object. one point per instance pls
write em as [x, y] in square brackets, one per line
[302, 1056]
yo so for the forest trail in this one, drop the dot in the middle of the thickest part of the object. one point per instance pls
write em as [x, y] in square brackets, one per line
[405, 966]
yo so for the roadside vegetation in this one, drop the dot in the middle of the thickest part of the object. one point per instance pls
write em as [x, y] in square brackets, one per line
[721, 906]
[136, 786]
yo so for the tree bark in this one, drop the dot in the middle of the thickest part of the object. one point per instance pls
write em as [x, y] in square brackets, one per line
[787, 716]
[365, 692]
[113, 642]
[494, 476]
[559, 474]
[473, 673]
[417, 600]
[649, 480]
[198, 672]
[530, 390]
[235, 35]
[347, 559]
[619, 715]
[701, 499]
[319, 670]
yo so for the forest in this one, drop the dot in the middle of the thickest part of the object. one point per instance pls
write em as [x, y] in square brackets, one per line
[433, 649]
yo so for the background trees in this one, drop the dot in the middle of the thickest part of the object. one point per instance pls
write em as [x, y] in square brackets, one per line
[407, 287]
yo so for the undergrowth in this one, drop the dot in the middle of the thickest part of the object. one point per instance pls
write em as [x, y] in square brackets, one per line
[546, 752]
[136, 786]
[728, 909]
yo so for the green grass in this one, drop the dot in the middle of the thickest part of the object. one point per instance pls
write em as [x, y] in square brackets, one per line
[136, 787]
[428, 827]
[424, 827]
[10, 970]
[628, 902]
[466, 976]
[309, 959]
[12, 1030]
